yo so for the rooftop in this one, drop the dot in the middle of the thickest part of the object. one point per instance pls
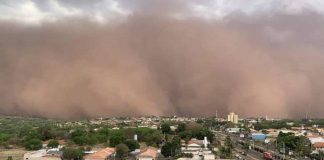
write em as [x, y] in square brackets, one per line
[149, 152]
[104, 153]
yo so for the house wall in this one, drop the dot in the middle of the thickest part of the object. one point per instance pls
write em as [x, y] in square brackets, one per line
[146, 158]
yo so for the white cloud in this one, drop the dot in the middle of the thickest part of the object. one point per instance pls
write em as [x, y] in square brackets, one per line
[32, 12]
[298, 6]
[28, 12]
[218, 9]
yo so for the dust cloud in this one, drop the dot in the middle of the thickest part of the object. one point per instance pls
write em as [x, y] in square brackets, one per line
[155, 64]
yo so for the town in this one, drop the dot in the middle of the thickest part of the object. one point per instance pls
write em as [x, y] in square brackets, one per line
[159, 137]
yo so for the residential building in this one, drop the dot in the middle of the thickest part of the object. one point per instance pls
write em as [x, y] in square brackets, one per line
[103, 154]
[315, 138]
[198, 148]
[43, 154]
[232, 117]
[150, 153]
[318, 146]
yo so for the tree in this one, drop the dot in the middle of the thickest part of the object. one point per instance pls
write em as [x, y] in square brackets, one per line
[45, 132]
[121, 151]
[226, 150]
[116, 138]
[193, 127]
[186, 135]
[72, 153]
[298, 144]
[170, 149]
[150, 136]
[32, 135]
[132, 144]
[228, 142]
[78, 133]
[103, 135]
[181, 127]
[33, 144]
[167, 150]
[91, 140]
[4, 137]
[53, 144]
[79, 140]
[165, 127]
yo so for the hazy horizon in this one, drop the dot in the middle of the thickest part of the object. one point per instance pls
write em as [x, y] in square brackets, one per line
[79, 59]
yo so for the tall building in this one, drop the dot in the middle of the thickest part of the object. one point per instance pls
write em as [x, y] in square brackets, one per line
[232, 117]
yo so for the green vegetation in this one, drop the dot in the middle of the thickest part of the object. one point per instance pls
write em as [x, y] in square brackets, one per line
[165, 128]
[271, 124]
[227, 149]
[298, 144]
[172, 148]
[122, 151]
[117, 138]
[319, 156]
[132, 144]
[53, 144]
[195, 130]
[31, 132]
[33, 144]
[72, 153]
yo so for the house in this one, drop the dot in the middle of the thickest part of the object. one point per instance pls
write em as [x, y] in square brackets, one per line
[198, 148]
[148, 154]
[35, 155]
[318, 146]
[194, 145]
[315, 138]
[233, 130]
[103, 154]
[43, 154]
[258, 136]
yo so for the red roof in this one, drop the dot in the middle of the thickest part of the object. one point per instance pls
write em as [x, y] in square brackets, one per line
[195, 141]
[149, 152]
[319, 145]
[102, 154]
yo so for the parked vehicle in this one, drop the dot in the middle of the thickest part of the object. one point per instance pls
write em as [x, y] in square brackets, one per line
[267, 155]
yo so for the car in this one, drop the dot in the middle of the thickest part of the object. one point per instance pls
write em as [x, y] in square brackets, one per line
[243, 153]
[267, 155]
[238, 156]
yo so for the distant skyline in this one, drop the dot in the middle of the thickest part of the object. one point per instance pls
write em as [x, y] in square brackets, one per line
[80, 58]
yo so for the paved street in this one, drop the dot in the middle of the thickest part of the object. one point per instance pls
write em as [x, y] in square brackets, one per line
[251, 154]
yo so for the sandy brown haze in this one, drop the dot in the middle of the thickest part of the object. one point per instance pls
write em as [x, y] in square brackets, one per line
[151, 64]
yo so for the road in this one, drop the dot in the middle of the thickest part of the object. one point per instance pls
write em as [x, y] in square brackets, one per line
[248, 156]
[252, 154]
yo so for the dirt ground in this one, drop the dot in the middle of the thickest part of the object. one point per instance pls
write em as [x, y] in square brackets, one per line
[17, 154]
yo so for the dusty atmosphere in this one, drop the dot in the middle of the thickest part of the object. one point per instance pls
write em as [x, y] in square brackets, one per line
[66, 59]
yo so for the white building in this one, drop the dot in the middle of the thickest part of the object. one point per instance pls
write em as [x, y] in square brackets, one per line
[198, 148]
[43, 154]
[232, 117]
[315, 139]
